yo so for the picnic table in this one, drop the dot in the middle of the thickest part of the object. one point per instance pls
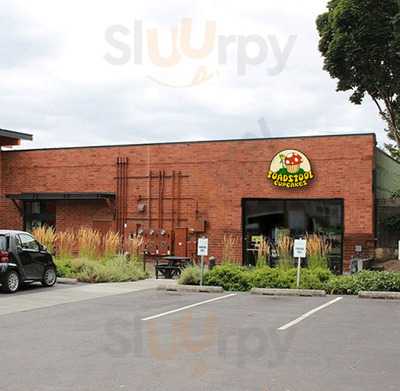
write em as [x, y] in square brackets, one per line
[172, 266]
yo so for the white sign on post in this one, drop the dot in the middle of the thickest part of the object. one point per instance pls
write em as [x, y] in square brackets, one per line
[202, 247]
[300, 248]
[299, 251]
[202, 251]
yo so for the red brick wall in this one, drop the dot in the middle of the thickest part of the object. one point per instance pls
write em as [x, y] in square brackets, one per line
[219, 174]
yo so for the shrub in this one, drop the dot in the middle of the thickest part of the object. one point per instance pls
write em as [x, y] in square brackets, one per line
[190, 276]
[341, 285]
[65, 244]
[237, 278]
[230, 276]
[64, 268]
[89, 243]
[46, 236]
[364, 281]
[281, 279]
[270, 278]
[312, 279]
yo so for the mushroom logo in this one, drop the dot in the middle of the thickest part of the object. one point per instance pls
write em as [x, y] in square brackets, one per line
[290, 169]
[292, 162]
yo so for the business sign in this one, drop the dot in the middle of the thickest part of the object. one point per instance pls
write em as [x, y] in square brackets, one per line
[290, 169]
[300, 248]
[202, 247]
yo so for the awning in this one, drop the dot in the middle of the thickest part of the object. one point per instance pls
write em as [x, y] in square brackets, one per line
[61, 196]
[9, 137]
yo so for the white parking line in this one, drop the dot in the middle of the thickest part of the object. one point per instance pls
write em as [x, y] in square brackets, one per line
[189, 307]
[308, 314]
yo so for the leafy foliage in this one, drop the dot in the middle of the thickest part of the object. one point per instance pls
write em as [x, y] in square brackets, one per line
[360, 41]
[231, 277]
[364, 281]
[237, 278]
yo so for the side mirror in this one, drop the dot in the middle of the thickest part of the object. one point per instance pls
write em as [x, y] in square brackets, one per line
[43, 248]
[19, 248]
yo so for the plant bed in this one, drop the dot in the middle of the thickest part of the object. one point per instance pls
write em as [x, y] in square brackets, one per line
[113, 269]
[237, 278]
[232, 277]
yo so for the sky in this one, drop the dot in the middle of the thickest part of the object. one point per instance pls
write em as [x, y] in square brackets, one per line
[99, 72]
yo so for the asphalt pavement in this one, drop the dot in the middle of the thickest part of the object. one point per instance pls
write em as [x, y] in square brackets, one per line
[154, 340]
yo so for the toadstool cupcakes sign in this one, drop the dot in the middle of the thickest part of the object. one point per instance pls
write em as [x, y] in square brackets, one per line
[290, 169]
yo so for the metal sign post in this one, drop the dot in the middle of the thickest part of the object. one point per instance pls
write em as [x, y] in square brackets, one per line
[299, 252]
[298, 273]
[202, 251]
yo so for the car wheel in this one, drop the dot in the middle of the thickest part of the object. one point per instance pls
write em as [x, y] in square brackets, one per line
[49, 277]
[11, 282]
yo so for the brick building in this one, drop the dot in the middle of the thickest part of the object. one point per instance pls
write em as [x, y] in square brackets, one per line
[172, 193]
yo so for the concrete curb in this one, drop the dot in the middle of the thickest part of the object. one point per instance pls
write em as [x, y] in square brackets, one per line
[67, 281]
[379, 295]
[287, 292]
[191, 288]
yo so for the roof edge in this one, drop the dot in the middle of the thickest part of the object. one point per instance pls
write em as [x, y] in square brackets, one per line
[15, 135]
[193, 142]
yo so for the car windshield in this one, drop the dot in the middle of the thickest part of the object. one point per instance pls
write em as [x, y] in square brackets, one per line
[3, 243]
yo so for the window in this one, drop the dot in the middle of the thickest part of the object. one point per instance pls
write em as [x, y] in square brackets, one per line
[269, 218]
[27, 242]
[4, 243]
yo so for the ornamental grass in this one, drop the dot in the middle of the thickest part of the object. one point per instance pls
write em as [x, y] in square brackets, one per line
[135, 247]
[263, 252]
[285, 248]
[228, 248]
[89, 243]
[318, 249]
[111, 244]
[46, 236]
[66, 243]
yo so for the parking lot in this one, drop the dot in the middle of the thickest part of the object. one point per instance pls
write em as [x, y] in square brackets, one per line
[154, 340]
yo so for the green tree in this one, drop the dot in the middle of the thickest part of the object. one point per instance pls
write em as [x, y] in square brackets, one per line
[360, 43]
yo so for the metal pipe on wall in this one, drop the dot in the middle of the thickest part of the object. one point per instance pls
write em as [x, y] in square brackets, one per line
[122, 196]
[173, 202]
[150, 197]
[178, 217]
[159, 199]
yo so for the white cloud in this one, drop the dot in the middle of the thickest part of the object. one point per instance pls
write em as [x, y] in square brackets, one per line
[56, 83]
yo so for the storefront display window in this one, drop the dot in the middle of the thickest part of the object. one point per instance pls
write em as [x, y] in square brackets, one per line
[264, 218]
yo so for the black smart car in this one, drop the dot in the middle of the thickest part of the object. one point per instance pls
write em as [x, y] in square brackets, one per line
[24, 260]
